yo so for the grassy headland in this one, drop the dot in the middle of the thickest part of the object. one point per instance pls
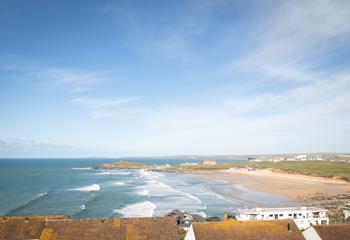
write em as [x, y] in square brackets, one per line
[326, 169]
[123, 164]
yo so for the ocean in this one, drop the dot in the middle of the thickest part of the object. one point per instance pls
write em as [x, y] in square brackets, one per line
[73, 187]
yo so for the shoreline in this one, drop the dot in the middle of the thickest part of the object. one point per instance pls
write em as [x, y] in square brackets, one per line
[292, 186]
[299, 189]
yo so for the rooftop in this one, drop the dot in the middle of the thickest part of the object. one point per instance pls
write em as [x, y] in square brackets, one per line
[252, 230]
[50, 228]
[333, 232]
[24, 227]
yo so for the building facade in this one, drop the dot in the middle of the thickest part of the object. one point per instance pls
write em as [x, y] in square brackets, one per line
[346, 211]
[303, 217]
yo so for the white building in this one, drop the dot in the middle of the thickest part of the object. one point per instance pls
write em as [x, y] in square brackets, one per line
[303, 217]
[346, 211]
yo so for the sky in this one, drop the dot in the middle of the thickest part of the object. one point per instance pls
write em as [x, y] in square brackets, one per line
[142, 78]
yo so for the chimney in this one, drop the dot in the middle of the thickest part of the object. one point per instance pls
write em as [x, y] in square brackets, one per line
[225, 217]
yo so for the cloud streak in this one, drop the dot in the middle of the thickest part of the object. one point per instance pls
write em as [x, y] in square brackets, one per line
[102, 107]
[298, 32]
[77, 83]
[14, 147]
[74, 81]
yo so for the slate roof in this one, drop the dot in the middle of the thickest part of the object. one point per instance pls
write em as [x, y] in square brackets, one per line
[247, 230]
[51, 228]
[333, 232]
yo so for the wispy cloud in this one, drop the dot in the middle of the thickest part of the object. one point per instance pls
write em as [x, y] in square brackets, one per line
[95, 103]
[79, 84]
[72, 80]
[102, 107]
[14, 147]
[296, 33]
[175, 39]
[316, 95]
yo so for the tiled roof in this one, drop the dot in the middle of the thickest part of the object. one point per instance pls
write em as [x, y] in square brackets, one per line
[247, 230]
[23, 227]
[50, 228]
[333, 232]
[161, 228]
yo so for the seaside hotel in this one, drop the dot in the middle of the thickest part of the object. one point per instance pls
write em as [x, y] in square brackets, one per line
[303, 217]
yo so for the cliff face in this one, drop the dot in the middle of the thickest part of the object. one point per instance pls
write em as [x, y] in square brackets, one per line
[123, 165]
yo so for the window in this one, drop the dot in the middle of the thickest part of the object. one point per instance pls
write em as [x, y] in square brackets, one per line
[281, 214]
[290, 215]
[271, 215]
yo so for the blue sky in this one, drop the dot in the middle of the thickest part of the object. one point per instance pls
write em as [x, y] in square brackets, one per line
[125, 78]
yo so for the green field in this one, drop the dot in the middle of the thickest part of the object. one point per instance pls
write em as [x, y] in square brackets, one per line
[327, 169]
[338, 170]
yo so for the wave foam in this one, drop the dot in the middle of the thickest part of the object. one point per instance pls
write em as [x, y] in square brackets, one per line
[158, 188]
[143, 192]
[143, 209]
[93, 187]
[119, 183]
[144, 173]
[82, 168]
[38, 197]
[113, 172]
[42, 194]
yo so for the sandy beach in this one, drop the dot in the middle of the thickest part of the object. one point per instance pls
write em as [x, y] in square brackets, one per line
[290, 185]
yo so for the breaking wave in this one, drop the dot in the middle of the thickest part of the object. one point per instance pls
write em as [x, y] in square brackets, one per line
[38, 197]
[119, 183]
[41, 195]
[113, 172]
[90, 188]
[158, 188]
[143, 192]
[142, 209]
[82, 168]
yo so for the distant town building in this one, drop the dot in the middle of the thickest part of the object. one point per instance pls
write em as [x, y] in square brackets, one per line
[303, 217]
[248, 230]
[209, 162]
[328, 232]
[346, 212]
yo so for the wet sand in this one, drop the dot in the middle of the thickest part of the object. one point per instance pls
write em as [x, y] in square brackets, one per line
[290, 185]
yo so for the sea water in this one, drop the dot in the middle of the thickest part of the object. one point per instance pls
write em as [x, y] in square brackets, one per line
[74, 187]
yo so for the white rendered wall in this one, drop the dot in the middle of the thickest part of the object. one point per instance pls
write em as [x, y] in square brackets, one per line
[190, 234]
[311, 234]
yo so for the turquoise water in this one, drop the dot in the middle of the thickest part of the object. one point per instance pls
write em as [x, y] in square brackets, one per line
[72, 187]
